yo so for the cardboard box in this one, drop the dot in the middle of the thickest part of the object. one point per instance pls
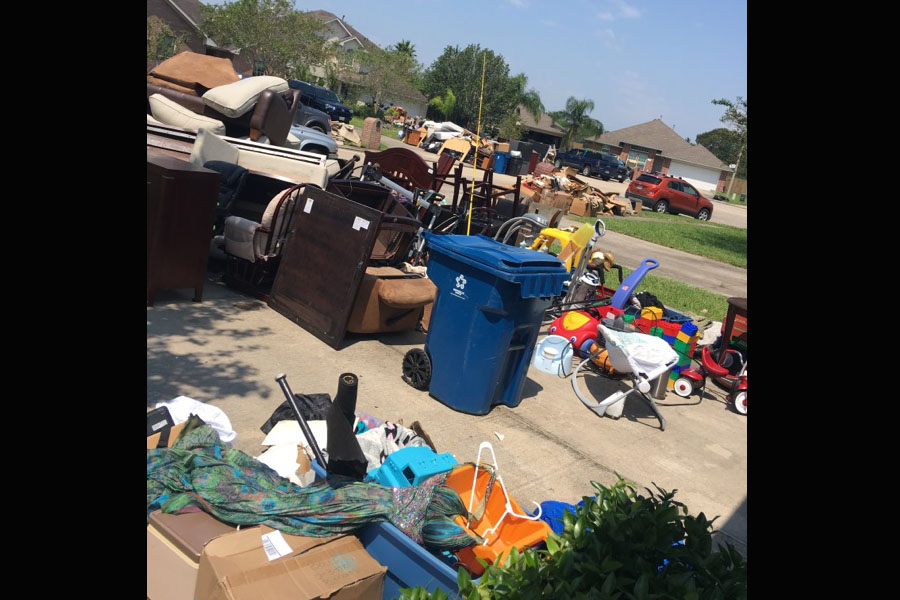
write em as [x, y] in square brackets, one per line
[560, 200]
[504, 147]
[581, 207]
[638, 206]
[174, 546]
[236, 567]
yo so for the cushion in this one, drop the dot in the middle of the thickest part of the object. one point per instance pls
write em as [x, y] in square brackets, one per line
[274, 223]
[235, 99]
[171, 113]
[208, 146]
[407, 293]
[192, 70]
[172, 86]
[239, 235]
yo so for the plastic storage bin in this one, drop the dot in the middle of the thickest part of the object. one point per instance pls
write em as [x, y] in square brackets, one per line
[408, 564]
[486, 318]
[500, 161]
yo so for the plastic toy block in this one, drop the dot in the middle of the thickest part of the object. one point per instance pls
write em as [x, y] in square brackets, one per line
[681, 346]
[683, 337]
[689, 329]
[684, 361]
[629, 318]
[657, 331]
[669, 339]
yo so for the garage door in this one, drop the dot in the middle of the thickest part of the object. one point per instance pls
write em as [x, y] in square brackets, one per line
[705, 180]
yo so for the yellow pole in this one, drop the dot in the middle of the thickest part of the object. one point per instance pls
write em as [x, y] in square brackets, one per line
[477, 144]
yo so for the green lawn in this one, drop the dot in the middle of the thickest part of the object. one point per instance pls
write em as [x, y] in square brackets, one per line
[723, 243]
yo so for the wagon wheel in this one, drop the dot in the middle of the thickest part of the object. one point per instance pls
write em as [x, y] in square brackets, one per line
[684, 387]
[417, 369]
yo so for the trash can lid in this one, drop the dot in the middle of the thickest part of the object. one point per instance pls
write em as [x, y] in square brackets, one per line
[494, 254]
[539, 274]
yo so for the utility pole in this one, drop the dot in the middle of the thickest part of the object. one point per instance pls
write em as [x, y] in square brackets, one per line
[733, 175]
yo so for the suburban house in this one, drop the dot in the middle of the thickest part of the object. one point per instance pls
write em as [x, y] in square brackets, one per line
[654, 146]
[183, 17]
[353, 81]
[544, 130]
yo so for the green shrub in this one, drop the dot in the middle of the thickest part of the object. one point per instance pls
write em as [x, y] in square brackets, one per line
[618, 545]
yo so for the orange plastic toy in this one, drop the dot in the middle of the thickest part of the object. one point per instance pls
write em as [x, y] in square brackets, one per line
[503, 525]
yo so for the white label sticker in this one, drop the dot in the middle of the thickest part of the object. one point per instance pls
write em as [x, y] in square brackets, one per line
[159, 425]
[360, 224]
[308, 207]
[275, 545]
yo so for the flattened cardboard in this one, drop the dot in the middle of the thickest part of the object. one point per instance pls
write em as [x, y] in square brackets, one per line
[235, 567]
[153, 440]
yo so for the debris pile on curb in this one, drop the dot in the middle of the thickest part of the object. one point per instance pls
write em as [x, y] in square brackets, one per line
[562, 189]
[345, 133]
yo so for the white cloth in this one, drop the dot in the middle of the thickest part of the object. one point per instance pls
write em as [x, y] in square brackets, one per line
[182, 407]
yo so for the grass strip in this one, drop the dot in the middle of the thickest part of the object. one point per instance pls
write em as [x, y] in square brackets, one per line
[723, 243]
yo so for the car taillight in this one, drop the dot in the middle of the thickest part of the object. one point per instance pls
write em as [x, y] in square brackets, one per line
[653, 192]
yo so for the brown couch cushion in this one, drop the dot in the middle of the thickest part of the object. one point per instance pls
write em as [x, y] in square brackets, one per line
[189, 69]
[407, 293]
[170, 85]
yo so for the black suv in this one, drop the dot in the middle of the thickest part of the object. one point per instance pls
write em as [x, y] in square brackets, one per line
[323, 99]
[605, 166]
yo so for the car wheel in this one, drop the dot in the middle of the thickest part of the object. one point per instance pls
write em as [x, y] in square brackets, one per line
[318, 128]
[558, 163]
[621, 179]
[586, 170]
[661, 206]
[703, 215]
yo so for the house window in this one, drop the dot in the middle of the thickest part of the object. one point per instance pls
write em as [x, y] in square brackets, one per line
[636, 159]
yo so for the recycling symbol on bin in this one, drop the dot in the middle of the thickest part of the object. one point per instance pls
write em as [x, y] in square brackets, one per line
[460, 282]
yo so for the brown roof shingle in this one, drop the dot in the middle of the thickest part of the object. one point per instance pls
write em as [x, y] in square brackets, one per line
[656, 134]
[544, 125]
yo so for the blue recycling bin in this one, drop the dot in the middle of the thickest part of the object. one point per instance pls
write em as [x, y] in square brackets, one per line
[500, 161]
[486, 318]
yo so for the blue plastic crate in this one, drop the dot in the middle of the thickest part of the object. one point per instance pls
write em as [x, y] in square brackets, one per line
[408, 563]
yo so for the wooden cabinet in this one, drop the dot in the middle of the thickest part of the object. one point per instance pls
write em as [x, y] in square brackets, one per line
[181, 204]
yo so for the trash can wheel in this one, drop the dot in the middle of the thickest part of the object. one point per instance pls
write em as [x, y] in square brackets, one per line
[417, 369]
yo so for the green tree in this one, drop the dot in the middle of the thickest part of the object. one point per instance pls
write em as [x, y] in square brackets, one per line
[162, 41]
[385, 73]
[444, 105]
[460, 71]
[725, 144]
[530, 99]
[404, 47]
[736, 117]
[272, 32]
[510, 128]
[576, 121]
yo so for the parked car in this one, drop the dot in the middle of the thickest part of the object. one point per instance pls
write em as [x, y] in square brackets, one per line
[312, 140]
[590, 163]
[307, 116]
[323, 99]
[665, 193]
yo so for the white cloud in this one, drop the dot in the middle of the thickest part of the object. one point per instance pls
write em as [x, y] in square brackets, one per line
[618, 9]
[518, 3]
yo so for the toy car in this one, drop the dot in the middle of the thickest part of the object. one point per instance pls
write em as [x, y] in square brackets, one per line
[579, 327]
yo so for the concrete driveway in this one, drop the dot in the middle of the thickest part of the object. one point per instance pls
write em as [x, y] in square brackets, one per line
[228, 349]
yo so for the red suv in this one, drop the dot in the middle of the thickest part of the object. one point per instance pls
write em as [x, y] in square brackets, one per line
[664, 193]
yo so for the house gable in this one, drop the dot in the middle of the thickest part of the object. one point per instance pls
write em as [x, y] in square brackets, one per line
[656, 135]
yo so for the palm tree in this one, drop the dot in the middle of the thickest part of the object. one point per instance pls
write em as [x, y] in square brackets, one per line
[575, 120]
[530, 99]
[405, 47]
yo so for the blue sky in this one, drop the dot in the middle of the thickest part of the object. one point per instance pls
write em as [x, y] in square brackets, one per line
[636, 59]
